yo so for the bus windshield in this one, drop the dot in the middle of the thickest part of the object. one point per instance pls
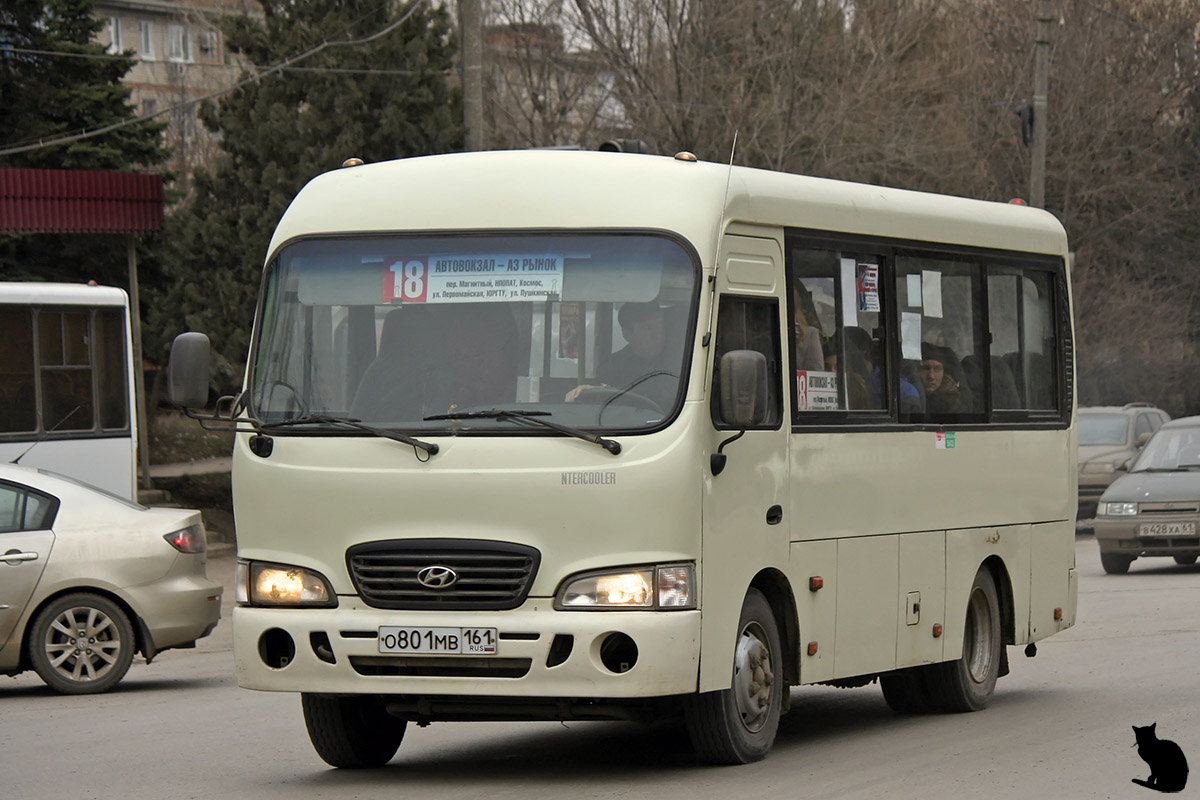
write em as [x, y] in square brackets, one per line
[417, 333]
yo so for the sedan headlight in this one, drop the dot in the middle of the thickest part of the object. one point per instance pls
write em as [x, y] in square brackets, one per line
[662, 587]
[263, 584]
[1099, 466]
[1119, 509]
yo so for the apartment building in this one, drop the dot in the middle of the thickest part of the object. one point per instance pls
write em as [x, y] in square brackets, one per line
[181, 59]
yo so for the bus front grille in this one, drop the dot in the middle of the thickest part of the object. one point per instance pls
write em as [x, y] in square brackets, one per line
[446, 574]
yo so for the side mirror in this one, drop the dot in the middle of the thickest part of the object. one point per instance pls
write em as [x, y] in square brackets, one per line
[1143, 438]
[744, 388]
[187, 371]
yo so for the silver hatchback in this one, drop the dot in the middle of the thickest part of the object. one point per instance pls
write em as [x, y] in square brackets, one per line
[1154, 508]
[87, 579]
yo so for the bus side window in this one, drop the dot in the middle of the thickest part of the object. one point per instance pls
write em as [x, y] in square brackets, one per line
[1021, 321]
[837, 298]
[749, 323]
[940, 303]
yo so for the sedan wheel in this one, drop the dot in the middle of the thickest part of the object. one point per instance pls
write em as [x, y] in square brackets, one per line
[81, 644]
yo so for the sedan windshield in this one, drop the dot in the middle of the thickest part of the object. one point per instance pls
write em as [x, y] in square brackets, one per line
[412, 333]
[1103, 429]
[1170, 449]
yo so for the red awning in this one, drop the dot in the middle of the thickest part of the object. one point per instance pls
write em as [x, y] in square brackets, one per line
[69, 201]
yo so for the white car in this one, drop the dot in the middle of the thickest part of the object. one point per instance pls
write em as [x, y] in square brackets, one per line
[87, 579]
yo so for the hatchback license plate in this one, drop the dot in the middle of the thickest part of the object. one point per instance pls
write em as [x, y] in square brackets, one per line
[409, 640]
[1167, 529]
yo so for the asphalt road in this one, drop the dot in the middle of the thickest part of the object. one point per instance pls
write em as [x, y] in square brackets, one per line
[1059, 726]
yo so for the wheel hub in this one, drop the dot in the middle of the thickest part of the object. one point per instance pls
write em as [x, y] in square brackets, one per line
[753, 678]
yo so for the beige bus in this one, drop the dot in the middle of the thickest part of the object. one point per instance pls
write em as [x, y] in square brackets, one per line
[569, 435]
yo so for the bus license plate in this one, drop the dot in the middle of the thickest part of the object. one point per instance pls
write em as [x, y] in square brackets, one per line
[1167, 529]
[409, 640]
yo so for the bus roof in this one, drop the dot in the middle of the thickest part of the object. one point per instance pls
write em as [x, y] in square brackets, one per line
[61, 294]
[549, 190]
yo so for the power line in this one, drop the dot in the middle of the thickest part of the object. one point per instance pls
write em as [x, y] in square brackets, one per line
[281, 66]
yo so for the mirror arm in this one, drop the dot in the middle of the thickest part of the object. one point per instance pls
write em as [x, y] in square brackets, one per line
[716, 462]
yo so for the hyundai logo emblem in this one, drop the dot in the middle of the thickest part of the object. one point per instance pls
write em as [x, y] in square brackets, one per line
[437, 577]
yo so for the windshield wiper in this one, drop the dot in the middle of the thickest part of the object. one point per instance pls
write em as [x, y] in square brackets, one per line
[535, 418]
[306, 419]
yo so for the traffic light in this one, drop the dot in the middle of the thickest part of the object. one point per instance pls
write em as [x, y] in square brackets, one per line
[623, 146]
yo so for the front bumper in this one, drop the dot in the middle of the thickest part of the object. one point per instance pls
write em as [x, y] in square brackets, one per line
[1121, 536]
[337, 651]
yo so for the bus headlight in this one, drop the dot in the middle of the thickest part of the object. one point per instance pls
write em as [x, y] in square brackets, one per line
[261, 584]
[662, 587]
[1119, 509]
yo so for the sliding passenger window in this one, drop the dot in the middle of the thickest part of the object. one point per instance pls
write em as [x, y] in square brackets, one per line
[749, 323]
[1021, 318]
[942, 350]
[838, 355]
[18, 409]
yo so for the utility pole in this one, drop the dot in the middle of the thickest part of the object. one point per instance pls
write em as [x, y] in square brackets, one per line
[1041, 89]
[470, 18]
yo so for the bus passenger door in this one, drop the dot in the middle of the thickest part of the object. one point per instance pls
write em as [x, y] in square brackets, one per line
[744, 502]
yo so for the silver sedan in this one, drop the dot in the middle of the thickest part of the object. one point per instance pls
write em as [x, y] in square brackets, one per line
[88, 579]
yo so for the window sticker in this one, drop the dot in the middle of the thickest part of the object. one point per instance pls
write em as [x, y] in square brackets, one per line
[931, 292]
[910, 335]
[816, 391]
[478, 278]
[914, 290]
[868, 287]
[849, 290]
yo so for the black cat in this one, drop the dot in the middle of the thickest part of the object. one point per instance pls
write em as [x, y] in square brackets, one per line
[1168, 767]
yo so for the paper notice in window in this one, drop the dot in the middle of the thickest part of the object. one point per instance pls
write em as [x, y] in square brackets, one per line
[914, 291]
[910, 335]
[931, 292]
[868, 287]
[849, 293]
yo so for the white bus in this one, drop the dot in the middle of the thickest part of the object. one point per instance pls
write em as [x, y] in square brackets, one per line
[66, 382]
[571, 435]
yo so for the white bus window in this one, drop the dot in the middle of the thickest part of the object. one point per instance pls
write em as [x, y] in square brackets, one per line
[1021, 319]
[17, 408]
[943, 342]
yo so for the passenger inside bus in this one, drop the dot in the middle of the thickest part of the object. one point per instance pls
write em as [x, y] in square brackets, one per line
[945, 387]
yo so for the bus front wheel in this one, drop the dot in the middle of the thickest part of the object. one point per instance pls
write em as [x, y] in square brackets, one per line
[967, 683]
[351, 732]
[738, 725]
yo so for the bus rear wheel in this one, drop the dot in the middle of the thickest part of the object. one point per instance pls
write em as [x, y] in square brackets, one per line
[351, 732]
[967, 683]
[738, 725]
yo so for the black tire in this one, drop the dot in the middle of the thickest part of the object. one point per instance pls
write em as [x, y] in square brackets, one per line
[967, 683]
[738, 725]
[81, 643]
[1115, 563]
[905, 691]
[1185, 560]
[351, 732]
